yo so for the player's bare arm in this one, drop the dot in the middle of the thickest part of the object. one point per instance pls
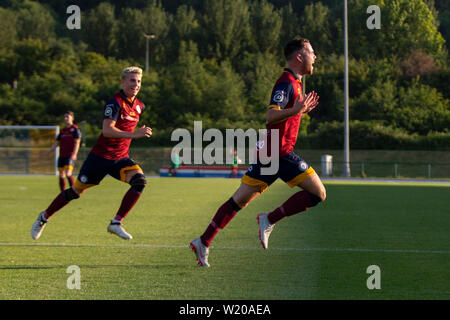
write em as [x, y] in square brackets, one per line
[109, 130]
[75, 149]
[52, 148]
[306, 105]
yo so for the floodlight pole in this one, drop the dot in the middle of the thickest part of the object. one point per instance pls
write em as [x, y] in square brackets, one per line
[147, 53]
[346, 168]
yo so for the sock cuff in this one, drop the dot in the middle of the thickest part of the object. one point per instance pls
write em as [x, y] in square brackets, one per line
[234, 205]
[314, 199]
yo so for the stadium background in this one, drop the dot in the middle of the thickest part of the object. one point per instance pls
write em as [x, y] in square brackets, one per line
[215, 61]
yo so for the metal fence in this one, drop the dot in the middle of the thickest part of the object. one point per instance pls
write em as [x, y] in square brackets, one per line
[390, 170]
[30, 161]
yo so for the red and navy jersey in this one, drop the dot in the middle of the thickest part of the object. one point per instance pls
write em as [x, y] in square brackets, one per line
[126, 113]
[285, 91]
[67, 138]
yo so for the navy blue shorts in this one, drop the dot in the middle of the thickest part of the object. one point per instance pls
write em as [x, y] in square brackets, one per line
[65, 163]
[95, 168]
[292, 170]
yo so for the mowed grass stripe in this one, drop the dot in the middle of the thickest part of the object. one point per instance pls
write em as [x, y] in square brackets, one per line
[162, 246]
[320, 254]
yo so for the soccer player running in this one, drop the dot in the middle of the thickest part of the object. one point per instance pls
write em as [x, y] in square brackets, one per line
[110, 156]
[285, 110]
[68, 141]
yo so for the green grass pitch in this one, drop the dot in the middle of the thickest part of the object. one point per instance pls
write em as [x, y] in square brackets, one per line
[320, 254]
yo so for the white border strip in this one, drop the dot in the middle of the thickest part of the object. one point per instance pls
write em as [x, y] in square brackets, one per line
[146, 245]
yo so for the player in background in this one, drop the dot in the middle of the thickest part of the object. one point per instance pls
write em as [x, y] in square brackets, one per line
[174, 164]
[68, 141]
[235, 166]
[110, 155]
[285, 110]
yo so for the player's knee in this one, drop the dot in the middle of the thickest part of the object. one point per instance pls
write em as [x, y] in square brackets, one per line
[323, 194]
[138, 182]
[69, 194]
[318, 197]
[240, 202]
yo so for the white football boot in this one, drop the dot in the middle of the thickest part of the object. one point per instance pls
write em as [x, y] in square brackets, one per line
[117, 229]
[265, 228]
[38, 226]
[201, 251]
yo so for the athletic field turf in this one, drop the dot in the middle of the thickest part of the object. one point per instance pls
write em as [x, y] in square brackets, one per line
[321, 254]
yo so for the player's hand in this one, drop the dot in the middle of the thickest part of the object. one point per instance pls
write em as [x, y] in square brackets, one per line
[143, 132]
[307, 104]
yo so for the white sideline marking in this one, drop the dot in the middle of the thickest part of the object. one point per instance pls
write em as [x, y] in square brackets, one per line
[145, 245]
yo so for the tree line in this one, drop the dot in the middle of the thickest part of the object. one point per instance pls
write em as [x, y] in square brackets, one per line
[217, 60]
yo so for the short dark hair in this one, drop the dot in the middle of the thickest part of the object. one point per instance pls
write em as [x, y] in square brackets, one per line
[293, 46]
[70, 113]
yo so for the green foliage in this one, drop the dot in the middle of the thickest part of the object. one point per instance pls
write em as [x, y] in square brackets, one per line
[8, 34]
[228, 25]
[315, 25]
[290, 23]
[99, 28]
[32, 56]
[129, 33]
[217, 61]
[421, 110]
[34, 21]
[266, 26]
[374, 135]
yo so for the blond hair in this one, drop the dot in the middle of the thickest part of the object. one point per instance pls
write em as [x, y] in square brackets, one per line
[129, 70]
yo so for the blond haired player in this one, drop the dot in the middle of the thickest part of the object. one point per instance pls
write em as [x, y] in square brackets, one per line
[110, 155]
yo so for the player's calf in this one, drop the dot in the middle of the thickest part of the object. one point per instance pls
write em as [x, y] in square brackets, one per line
[137, 183]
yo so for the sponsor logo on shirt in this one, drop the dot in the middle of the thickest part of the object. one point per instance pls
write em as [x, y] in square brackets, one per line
[127, 117]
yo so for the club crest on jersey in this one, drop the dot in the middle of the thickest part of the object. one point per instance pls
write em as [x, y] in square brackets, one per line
[108, 110]
[303, 165]
[278, 96]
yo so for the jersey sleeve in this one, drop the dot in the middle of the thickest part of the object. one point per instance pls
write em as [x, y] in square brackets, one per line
[112, 110]
[281, 94]
[77, 133]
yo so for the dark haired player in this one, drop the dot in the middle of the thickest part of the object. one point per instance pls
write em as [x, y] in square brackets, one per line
[68, 141]
[285, 111]
[110, 155]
